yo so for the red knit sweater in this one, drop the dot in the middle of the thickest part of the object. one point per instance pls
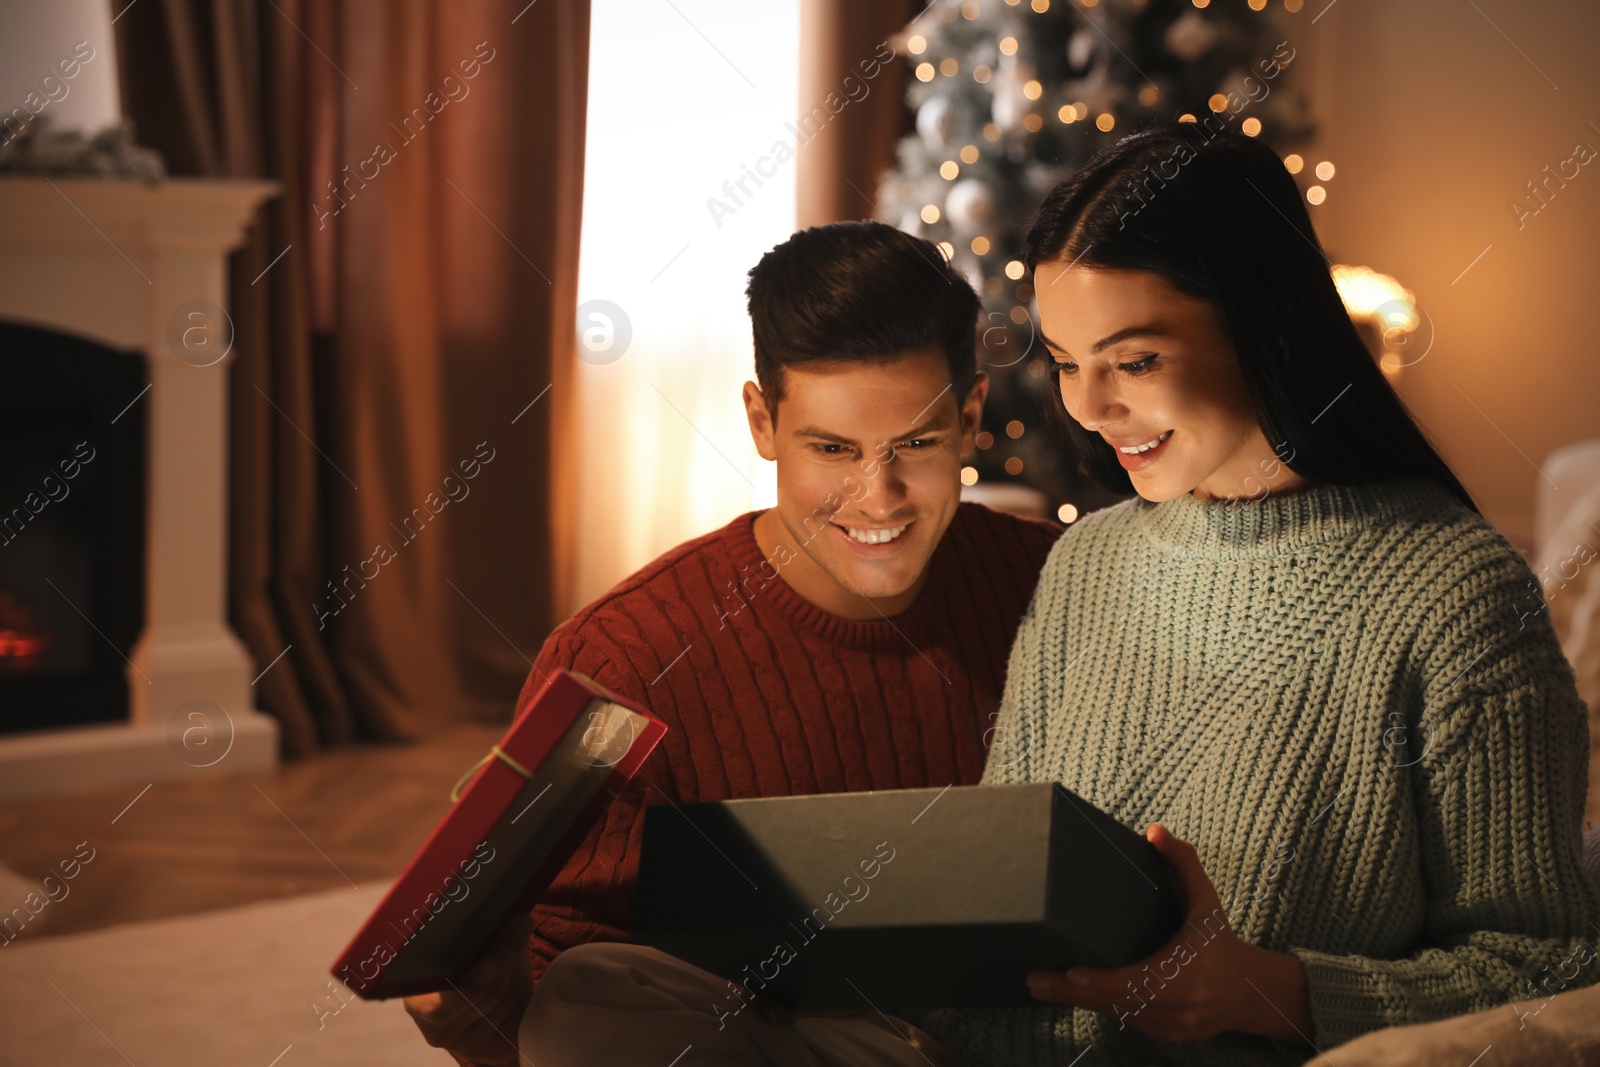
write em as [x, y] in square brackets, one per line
[765, 694]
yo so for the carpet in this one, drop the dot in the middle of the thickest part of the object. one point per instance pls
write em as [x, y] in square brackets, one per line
[226, 987]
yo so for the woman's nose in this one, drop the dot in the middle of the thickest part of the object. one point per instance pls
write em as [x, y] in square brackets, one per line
[1096, 404]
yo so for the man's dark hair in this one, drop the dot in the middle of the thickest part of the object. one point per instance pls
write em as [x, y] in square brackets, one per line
[860, 292]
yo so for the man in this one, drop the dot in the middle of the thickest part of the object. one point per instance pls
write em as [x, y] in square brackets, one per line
[853, 637]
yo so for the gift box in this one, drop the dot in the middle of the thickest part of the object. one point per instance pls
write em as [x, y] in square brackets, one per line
[905, 899]
[516, 818]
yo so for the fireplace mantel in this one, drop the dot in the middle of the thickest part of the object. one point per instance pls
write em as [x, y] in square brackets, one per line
[125, 264]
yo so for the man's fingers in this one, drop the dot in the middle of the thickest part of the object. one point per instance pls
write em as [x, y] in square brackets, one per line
[438, 1011]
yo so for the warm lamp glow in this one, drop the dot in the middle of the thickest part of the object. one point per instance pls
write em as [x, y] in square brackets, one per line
[1384, 311]
[1366, 293]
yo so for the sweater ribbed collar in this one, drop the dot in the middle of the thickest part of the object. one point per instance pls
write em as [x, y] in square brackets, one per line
[851, 633]
[1285, 523]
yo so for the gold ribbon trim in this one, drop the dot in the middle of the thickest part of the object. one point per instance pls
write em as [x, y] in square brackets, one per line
[495, 752]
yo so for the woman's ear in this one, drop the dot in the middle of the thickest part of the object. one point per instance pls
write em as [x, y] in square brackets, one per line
[763, 421]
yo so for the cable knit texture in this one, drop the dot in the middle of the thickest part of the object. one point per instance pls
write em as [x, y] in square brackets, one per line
[1347, 699]
[766, 694]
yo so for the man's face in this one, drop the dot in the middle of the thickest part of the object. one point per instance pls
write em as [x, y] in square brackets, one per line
[869, 476]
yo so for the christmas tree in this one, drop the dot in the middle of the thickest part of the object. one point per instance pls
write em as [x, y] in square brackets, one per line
[1012, 96]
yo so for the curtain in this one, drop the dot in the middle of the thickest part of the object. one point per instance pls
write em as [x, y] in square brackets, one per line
[404, 335]
[840, 166]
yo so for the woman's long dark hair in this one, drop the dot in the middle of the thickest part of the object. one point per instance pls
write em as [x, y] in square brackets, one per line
[1221, 219]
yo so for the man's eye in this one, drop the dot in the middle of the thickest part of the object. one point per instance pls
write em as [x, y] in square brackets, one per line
[830, 450]
[1140, 366]
[916, 443]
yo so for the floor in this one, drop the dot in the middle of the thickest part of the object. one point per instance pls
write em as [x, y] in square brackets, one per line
[343, 819]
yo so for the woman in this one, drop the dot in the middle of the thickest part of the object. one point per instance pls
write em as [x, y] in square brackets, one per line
[1299, 649]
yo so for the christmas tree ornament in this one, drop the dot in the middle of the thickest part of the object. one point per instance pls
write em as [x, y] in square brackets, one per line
[969, 205]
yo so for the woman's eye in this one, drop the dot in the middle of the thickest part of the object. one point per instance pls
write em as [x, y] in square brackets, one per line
[1140, 366]
[1066, 366]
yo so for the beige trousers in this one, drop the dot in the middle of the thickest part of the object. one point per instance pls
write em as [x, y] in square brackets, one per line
[619, 1003]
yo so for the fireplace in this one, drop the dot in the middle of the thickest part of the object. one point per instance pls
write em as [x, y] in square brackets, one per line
[72, 492]
[113, 487]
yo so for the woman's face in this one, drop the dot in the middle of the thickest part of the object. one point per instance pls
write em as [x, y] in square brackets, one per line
[1149, 369]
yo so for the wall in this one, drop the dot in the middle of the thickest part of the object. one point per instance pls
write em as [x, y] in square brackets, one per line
[1436, 119]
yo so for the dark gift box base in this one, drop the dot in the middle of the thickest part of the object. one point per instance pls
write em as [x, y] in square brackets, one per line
[907, 899]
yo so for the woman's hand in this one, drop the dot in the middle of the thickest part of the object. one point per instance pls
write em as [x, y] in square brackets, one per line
[1202, 982]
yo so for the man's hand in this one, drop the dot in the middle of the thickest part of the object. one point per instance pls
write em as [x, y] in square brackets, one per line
[477, 1020]
[1205, 980]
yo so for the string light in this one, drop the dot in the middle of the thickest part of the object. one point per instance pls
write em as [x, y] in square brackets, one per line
[1324, 170]
[991, 131]
[1105, 122]
[1014, 464]
[1067, 513]
[1292, 162]
[1032, 90]
[1015, 269]
[969, 153]
[1041, 6]
[1019, 315]
[969, 10]
[1067, 114]
[930, 213]
[1008, 46]
[980, 245]
[1316, 194]
[948, 170]
[1251, 126]
[947, 250]
[981, 74]
[1014, 429]
[1291, 6]
[925, 72]
[969, 475]
[917, 44]
[1202, 4]
[985, 439]
[949, 67]
[1148, 95]
[1032, 123]
[1186, 117]
[1217, 102]
[1257, 5]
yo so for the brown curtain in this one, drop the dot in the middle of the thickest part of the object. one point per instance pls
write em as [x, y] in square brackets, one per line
[404, 321]
[839, 168]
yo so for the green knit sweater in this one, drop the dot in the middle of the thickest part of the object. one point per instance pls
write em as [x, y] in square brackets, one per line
[1347, 699]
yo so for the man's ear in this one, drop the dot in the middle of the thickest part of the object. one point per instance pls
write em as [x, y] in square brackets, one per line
[972, 412]
[763, 430]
